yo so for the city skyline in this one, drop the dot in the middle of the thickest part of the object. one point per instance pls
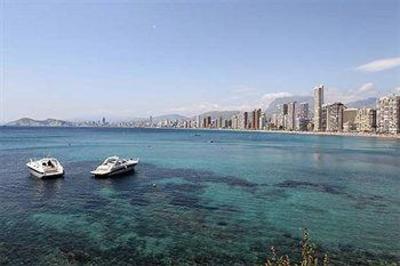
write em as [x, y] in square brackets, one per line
[135, 60]
[380, 117]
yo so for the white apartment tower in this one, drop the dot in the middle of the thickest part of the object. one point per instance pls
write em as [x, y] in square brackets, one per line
[388, 115]
[291, 116]
[334, 117]
[318, 102]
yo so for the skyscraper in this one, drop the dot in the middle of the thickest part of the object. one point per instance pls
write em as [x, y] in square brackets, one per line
[283, 116]
[302, 119]
[253, 120]
[303, 110]
[366, 120]
[198, 122]
[334, 117]
[349, 119]
[318, 102]
[284, 109]
[291, 116]
[208, 122]
[388, 115]
[256, 114]
[245, 119]
[262, 120]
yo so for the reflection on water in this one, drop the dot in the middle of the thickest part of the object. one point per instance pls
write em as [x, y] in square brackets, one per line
[47, 187]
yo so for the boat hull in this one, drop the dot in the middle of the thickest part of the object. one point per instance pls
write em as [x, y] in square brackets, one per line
[39, 174]
[116, 172]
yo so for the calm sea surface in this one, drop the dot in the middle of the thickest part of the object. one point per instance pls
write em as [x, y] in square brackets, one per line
[219, 203]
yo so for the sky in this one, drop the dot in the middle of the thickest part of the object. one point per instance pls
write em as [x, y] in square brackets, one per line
[120, 59]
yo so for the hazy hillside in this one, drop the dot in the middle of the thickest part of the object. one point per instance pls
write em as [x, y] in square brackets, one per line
[156, 119]
[216, 114]
[28, 122]
[368, 102]
[274, 106]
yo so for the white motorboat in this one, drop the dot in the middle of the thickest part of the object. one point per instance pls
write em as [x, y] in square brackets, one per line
[115, 166]
[46, 167]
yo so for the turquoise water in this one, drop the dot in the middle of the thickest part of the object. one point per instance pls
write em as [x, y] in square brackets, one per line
[215, 203]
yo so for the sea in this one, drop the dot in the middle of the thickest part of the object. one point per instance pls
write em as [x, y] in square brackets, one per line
[198, 197]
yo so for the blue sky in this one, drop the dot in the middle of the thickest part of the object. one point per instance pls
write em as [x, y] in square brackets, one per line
[85, 59]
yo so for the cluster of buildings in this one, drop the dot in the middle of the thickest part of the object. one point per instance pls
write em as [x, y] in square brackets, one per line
[245, 120]
[325, 117]
[336, 117]
[292, 116]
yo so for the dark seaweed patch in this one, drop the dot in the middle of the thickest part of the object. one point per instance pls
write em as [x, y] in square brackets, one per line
[195, 176]
[361, 200]
[94, 203]
[316, 186]
[185, 200]
[179, 188]
[139, 201]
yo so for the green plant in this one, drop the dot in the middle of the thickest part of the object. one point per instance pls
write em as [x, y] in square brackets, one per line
[308, 255]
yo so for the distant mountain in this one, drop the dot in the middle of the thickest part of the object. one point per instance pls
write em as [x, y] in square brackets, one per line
[217, 114]
[29, 122]
[156, 119]
[368, 102]
[273, 107]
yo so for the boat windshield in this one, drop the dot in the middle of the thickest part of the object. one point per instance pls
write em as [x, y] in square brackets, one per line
[49, 163]
[110, 161]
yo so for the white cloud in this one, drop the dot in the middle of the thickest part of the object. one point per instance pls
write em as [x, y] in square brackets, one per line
[396, 91]
[266, 99]
[257, 100]
[346, 96]
[366, 88]
[195, 109]
[379, 65]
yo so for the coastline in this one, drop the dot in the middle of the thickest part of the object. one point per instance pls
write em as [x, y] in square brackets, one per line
[340, 134]
[309, 133]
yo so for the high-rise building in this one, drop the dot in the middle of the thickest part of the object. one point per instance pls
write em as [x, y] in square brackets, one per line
[283, 116]
[235, 122]
[250, 120]
[388, 115]
[220, 122]
[334, 117]
[245, 120]
[262, 120]
[284, 109]
[318, 102]
[366, 120]
[255, 119]
[323, 116]
[291, 116]
[302, 116]
[275, 121]
[349, 119]
[198, 121]
[303, 110]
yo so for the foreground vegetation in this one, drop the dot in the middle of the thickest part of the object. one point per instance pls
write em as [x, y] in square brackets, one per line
[309, 255]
